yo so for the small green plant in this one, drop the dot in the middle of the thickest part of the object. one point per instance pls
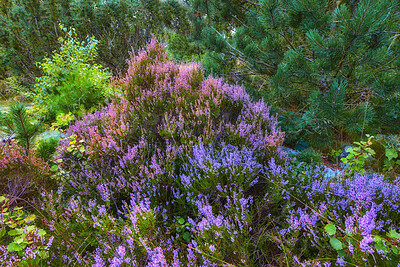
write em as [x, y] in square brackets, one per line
[335, 153]
[62, 121]
[25, 242]
[358, 155]
[387, 148]
[342, 242]
[392, 159]
[181, 228]
[77, 148]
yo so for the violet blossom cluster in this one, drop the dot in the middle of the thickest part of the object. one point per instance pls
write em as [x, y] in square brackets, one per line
[360, 206]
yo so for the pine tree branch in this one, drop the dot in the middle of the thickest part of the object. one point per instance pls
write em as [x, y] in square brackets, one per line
[24, 129]
[241, 55]
[363, 17]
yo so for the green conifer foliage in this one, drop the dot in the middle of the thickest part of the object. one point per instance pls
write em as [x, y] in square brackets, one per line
[18, 123]
[330, 68]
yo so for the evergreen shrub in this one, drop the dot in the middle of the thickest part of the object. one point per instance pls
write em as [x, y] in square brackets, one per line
[329, 68]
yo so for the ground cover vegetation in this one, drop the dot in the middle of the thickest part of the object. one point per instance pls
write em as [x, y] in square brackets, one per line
[152, 161]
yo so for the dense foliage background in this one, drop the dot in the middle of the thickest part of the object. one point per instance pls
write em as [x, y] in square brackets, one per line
[29, 29]
[199, 133]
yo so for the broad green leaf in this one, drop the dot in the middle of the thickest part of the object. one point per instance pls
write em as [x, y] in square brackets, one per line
[393, 234]
[16, 232]
[14, 247]
[377, 238]
[54, 168]
[19, 239]
[20, 214]
[181, 221]
[31, 228]
[330, 229]
[391, 153]
[336, 244]
[2, 232]
[11, 224]
[42, 232]
[341, 253]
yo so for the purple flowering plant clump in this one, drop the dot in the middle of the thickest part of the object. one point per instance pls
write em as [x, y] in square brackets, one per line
[185, 170]
[182, 143]
[139, 142]
[362, 209]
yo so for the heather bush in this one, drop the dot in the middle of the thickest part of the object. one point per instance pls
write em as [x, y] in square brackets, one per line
[181, 140]
[183, 170]
[22, 176]
[167, 109]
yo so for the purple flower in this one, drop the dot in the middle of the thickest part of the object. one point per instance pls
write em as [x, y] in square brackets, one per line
[341, 262]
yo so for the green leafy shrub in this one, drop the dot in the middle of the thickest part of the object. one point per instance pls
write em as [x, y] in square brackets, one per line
[358, 155]
[21, 242]
[72, 80]
[62, 121]
[387, 148]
